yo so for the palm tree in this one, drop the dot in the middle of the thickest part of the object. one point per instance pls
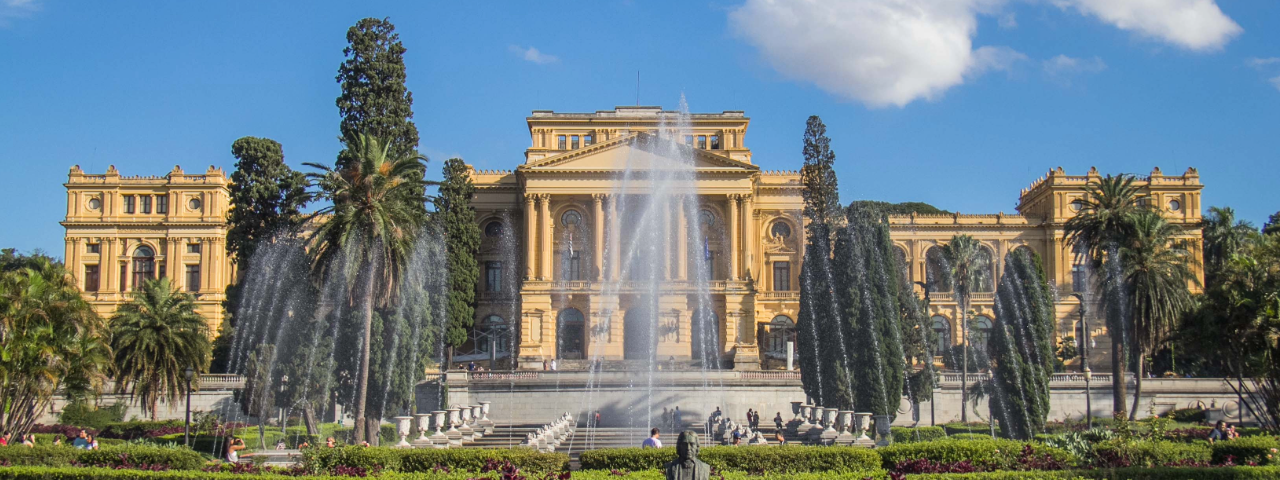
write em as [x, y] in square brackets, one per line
[376, 214]
[156, 336]
[968, 266]
[1105, 220]
[1158, 267]
[44, 322]
[1223, 238]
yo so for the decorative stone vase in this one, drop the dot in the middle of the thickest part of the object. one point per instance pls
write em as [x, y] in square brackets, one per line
[829, 418]
[453, 419]
[843, 421]
[884, 436]
[795, 409]
[439, 417]
[465, 414]
[424, 425]
[476, 411]
[862, 422]
[484, 411]
[404, 426]
[806, 413]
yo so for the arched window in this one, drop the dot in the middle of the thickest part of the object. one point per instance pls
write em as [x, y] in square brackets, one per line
[570, 332]
[942, 329]
[493, 229]
[1079, 268]
[572, 246]
[780, 331]
[705, 255]
[987, 273]
[937, 273]
[780, 229]
[492, 334]
[980, 332]
[144, 266]
[571, 218]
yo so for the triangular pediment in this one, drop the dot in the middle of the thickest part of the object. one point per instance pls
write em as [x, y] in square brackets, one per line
[639, 151]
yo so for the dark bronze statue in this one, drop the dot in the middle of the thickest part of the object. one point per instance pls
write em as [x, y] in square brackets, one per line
[686, 466]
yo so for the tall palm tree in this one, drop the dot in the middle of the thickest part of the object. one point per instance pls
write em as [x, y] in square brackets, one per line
[968, 266]
[43, 322]
[1223, 238]
[375, 217]
[1104, 222]
[1158, 267]
[156, 337]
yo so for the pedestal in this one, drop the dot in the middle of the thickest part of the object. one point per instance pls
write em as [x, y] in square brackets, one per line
[884, 435]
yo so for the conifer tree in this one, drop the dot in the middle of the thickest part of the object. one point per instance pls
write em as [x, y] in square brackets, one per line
[819, 365]
[867, 289]
[462, 237]
[1021, 346]
[374, 99]
[266, 196]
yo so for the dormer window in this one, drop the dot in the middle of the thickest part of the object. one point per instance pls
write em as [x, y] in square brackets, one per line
[588, 139]
[715, 142]
[702, 142]
[563, 142]
[574, 141]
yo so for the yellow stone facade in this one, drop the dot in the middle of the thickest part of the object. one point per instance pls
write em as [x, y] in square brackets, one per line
[124, 230]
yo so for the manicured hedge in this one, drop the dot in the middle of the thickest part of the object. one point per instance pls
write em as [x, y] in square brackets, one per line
[115, 455]
[1206, 473]
[970, 436]
[1149, 454]
[46, 473]
[320, 459]
[786, 458]
[990, 454]
[917, 434]
[1258, 450]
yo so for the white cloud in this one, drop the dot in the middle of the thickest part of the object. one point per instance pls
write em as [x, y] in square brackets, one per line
[1275, 82]
[1262, 62]
[12, 9]
[1197, 25]
[1008, 20]
[878, 52]
[533, 55]
[1062, 69]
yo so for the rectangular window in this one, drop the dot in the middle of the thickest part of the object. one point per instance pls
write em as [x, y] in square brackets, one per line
[702, 142]
[128, 203]
[688, 140]
[562, 142]
[781, 276]
[193, 248]
[193, 278]
[90, 278]
[146, 203]
[574, 141]
[162, 204]
[715, 142]
[124, 277]
[588, 139]
[572, 269]
[493, 276]
[93, 248]
[1079, 279]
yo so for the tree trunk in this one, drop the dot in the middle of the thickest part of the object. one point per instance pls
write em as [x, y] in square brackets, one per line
[262, 432]
[964, 369]
[373, 426]
[1137, 386]
[362, 383]
[309, 419]
[1118, 387]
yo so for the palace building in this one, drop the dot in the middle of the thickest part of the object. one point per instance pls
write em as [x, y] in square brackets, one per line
[553, 236]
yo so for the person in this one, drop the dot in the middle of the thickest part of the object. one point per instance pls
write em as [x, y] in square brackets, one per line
[234, 446]
[29, 440]
[675, 418]
[778, 436]
[554, 365]
[750, 415]
[652, 441]
[755, 420]
[1232, 434]
[364, 443]
[93, 442]
[329, 443]
[597, 418]
[81, 441]
[716, 414]
[544, 365]
[4, 439]
[777, 421]
[1219, 432]
[471, 366]
[666, 418]
[737, 436]
[280, 445]
[57, 441]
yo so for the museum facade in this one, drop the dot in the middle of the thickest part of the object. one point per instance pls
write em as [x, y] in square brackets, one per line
[559, 236]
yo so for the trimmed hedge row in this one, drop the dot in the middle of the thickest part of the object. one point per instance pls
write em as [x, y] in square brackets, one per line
[785, 458]
[113, 456]
[1150, 454]
[1258, 450]
[987, 454]
[319, 459]
[46, 473]
[917, 434]
[1164, 473]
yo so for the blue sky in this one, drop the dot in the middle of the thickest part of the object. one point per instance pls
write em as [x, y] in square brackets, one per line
[959, 103]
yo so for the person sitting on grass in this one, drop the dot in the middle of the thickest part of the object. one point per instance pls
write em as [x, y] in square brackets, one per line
[81, 441]
[1219, 432]
[29, 440]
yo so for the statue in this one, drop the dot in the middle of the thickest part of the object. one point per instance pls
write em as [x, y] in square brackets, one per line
[686, 466]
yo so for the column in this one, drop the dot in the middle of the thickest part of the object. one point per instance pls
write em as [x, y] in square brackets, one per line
[682, 242]
[206, 264]
[597, 200]
[544, 203]
[107, 266]
[530, 224]
[749, 237]
[667, 251]
[615, 241]
[734, 234]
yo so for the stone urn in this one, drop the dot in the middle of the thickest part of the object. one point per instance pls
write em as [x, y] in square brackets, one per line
[453, 420]
[829, 418]
[423, 421]
[843, 421]
[476, 411]
[438, 417]
[806, 413]
[404, 426]
[484, 411]
[862, 423]
[884, 436]
[795, 409]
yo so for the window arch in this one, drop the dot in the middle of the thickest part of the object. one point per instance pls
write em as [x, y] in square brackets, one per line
[986, 275]
[980, 331]
[780, 229]
[493, 228]
[942, 329]
[778, 333]
[144, 265]
[937, 274]
[573, 246]
[570, 334]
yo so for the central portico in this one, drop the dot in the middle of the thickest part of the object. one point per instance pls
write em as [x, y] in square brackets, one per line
[571, 212]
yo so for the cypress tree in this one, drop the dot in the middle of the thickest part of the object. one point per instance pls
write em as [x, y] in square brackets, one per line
[823, 373]
[374, 99]
[1021, 346]
[266, 196]
[868, 292]
[462, 239]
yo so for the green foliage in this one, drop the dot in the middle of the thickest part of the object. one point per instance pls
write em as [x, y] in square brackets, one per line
[108, 455]
[821, 190]
[156, 337]
[50, 340]
[1273, 224]
[266, 197]
[374, 99]
[1187, 415]
[767, 459]
[904, 208]
[1021, 341]
[69, 473]
[462, 236]
[319, 459]
[1144, 453]
[824, 373]
[86, 415]
[990, 454]
[917, 434]
[1262, 450]
[1210, 473]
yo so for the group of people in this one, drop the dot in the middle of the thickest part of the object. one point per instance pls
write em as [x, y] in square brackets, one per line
[1223, 431]
[28, 440]
[552, 365]
[83, 441]
[671, 419]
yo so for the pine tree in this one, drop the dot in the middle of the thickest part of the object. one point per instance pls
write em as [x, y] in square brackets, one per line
[821, 192]
[462, 239]
[266, 196]
[1021, 345]
[375, 100]
[868, 290]
[1272, 225]
[823, 373]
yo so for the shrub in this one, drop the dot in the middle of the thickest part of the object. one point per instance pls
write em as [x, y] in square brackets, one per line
[971, 427]
[109, 456]
[1246, 450]
[84, 415]
[1244, 473]
[139, 429]
[39, 456]
[319, 459]
[985, 455]
[1118, 454]
[970, 436]
[45, 473]
[1187, 415]
[753, 459]
[917, 434]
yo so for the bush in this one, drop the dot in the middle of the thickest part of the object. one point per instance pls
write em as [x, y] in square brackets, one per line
[1244, 473]
[110, 456]
[138, 429]
[1118, 454]
[970, 436]
[985, 455]
[971, 427]
[753, 459]
[917, 434]
[45, 473]
[1187, 415]
[84, 415]
[319, 459]
[1246, 450]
